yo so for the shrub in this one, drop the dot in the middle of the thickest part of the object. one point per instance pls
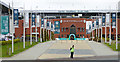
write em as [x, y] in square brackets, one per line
[9, 42]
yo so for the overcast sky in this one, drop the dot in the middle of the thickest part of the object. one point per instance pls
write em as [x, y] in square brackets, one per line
[64, 4]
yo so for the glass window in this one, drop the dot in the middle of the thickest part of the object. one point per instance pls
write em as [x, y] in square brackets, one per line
[80, 29]
[33, 30]
[77, 29]
[62, 35]
[83, 36]
[80, 36]
[83, 30]
[62, 29]
[65, 29]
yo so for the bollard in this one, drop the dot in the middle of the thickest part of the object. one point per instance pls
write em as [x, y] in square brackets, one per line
[9, 51]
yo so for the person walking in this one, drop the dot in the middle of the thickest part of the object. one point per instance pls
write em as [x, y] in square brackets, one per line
[72, 51]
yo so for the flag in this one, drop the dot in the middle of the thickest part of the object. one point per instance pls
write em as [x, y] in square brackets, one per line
[42, 22]
[107, 20]
[26, 20]
[33, 20]
[103, 20]
[38, 21]
[57, 27]
[113, 20]
[15, 11]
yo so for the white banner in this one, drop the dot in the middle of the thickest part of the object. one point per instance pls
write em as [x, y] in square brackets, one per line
[107, 20]
[38, 21]
[12, 28]
[94, 24]
[26, 20]
[100, 22]
[45, 23]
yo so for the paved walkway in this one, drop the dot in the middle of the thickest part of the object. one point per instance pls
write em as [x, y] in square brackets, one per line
[32, 53]
[100, 49]
[61, 48]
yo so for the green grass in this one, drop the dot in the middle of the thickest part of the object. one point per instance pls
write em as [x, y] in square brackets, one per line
[18, 47]
[113, 46]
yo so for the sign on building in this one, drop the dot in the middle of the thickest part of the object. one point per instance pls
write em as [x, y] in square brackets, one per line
[15, 11]
[57, 27]
[4, 25]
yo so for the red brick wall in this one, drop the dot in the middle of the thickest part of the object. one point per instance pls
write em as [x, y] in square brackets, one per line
[19, 30]
[68, 24]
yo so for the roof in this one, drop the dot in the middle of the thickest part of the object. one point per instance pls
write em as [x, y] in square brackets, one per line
[4, 4]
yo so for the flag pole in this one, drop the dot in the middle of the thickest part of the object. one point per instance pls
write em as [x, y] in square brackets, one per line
[116, 30]
[43, 27]
[105, 31]
[36, 26]
[24, 28]
[92, 29]
[101, 27]
[12, 29]
[40, 27]
[110, 31]
[98, 26]
[31, 30]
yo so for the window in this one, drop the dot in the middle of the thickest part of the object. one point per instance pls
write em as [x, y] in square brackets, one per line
[62, 35]
[33, 30]
[59, 36]
[112, 29]
[83, 30]
[62, 29]
[67, 36]
[83, 36]
[65, 29]
[80, 36]
[80, 29]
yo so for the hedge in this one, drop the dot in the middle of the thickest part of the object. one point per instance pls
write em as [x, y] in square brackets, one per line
[9, 42]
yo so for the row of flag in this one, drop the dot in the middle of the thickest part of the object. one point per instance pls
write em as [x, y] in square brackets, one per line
[100, 21]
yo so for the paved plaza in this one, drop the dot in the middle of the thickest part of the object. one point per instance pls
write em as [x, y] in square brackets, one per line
[60, 49]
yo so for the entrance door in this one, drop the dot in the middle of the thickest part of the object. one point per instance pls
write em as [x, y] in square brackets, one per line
[72, 30]
[71, 37]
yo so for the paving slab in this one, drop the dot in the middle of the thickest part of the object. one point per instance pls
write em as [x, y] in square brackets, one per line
[32, 53]
[61, 49]
[100, 49]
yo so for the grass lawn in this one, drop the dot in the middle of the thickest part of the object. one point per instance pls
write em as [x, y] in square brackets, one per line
[113, 46]
[18, 47]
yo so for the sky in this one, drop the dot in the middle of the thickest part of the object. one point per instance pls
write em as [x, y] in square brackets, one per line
[64, 4]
